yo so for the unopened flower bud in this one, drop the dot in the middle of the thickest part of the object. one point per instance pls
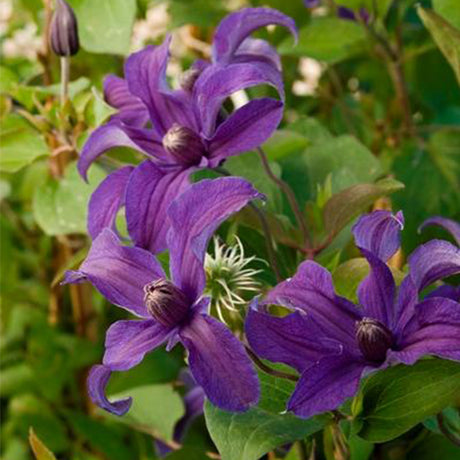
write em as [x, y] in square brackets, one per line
[188, 78]
[166, 302]
[184, 145]
[64, 30]
[374, 339]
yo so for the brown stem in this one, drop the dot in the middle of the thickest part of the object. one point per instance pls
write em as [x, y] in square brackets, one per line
[45, 57]
[445, 431]
[289, 195]
[267, 369]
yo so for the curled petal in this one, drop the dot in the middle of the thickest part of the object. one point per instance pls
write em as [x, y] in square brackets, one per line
[194, 217]
[118, 272]
[247, 128]
[236, 27]
[149, 193]
[450, 225]
[254, 49]
[433, 261]
[98, 379]
[326, 385]
[113, 135]
[294, 339]
[405, 304]
[437, 332]
[220, 364]
[376, 292]
[217, 83]
[311, 291]
[379, 233]
[127, 342]
[447, 291]
[107, 200]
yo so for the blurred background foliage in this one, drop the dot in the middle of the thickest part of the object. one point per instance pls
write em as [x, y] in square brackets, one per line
[372, 120]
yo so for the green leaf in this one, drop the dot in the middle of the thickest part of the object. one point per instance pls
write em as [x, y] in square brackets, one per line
[198, 12]
[249, 435]
[284, 143]
[155, 409]
[328, 39]
[395, 400]
[105, 25]
[21, 144]
[449, 9]
[347, 161]
[433, 447]
[446, 36]
[60, 207]
[348, 275]
[344, 206]
[97, 111]
[39, 449]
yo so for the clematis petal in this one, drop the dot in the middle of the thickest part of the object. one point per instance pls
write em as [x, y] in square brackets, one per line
[98, 379]
[450, 225]
[217, 83]
[247, 128]
[406, 301]
[149, 193]
[118, 272]
[131, 109]
[107, 200]
[376, 293]
[219, 364]
[115, 134]
[254, 49]
[326, 385]
[127, 342]
[437, 332]
[447, 291]
[194, 217]
[380, 233]
[294, 339]
[311, 290]
[145, 73]
[236, 27]
[433, 261]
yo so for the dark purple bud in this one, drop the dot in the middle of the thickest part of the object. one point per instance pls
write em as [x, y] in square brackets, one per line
[166, 302]
[188, 78]
[346, 13]
[374, 339]
[364, 15]
[184, 145]
[64, 30]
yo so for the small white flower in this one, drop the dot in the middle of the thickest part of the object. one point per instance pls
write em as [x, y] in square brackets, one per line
[311, 71]
[229, 277]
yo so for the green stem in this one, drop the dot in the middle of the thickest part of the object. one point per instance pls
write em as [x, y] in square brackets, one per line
[65, 73]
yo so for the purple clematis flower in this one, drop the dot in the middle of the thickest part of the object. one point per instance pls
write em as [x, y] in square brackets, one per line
[333, 344]
[188, 129]
[450, 225]
[172, 311]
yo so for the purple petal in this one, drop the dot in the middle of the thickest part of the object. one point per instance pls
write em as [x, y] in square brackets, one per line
[433, 261]
[236, 27]
[246, 128]
[98, 379]
[149, 193]
[311, 290]
[131, 109]
[113, 135]
[107, 200]
[326, 385]
[376, 293]
[311, 3]
[294, 339]
[220, 364]
[217, 83]
[346, 13]
[380, 233]
[126, 342]
[193, 402]
[145, 73]
[437, 332]
[447, 291]
[254, 49]
[450, 225]
[405, 304]
[118, 272]
[194, 217]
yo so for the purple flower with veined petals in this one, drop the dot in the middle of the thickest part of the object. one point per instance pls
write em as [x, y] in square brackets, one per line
[333, 344]
[450, 225]
[188, 130]
[175, 310]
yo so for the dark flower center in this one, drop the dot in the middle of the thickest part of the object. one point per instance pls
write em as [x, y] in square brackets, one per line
[166, 302]
[184, 145]
[188, 78]
[374, 339]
